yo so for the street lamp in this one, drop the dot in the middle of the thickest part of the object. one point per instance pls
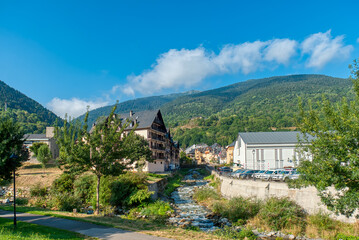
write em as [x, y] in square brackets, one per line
[14, 157]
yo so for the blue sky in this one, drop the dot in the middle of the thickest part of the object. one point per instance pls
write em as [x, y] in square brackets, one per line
[70, 54]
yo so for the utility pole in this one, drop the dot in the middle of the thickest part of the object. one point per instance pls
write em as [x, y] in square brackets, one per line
[13, 157]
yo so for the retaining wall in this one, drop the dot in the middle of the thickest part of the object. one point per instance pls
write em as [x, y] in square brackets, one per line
[307, 198]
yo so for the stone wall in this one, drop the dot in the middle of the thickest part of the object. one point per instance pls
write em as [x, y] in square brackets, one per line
[157, 187]
[305, 197]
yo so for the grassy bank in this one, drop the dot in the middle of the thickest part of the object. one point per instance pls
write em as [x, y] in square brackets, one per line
[274, 214]
[28, 231]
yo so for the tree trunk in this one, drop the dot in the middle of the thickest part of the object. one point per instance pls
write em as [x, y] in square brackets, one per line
[98, 196]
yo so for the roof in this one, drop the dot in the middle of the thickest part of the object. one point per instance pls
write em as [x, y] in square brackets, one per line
[35, 137]
[232, 144]
[144, 119]
[271, 137]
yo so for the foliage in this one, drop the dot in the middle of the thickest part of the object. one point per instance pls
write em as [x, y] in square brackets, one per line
[174, 182]
[35, 147]
[105, 194]
[22, 201]
[38, 191]
[107, 150]
[231, 233]
[281, 213]
[157, 211]
[345, 237]
[322, 221]
[331, 135]
[63, 184]
[237, 208]
[129, 189]
[203, 194]
[184, 159]
[11, 142]
[66, 201]
[44, 155]
[84, 187]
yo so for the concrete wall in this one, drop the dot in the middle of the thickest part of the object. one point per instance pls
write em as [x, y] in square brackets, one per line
[305, 197]
[157, 187]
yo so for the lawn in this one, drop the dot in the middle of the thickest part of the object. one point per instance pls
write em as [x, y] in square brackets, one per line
[28, 231]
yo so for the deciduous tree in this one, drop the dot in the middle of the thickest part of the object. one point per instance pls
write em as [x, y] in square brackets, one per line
[335, 150]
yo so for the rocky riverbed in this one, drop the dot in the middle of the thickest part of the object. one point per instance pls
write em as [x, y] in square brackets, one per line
[187, 212]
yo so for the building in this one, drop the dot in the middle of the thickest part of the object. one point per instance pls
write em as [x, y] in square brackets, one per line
[229, 151]
[47, 138]
[150, 125]
[208, 154]
[268, 150]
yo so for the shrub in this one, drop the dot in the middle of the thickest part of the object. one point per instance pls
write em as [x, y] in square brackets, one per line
[84, 188]
[280, 213]
[38, 191]
[322, 221]
[158, 211]
[105, 191]
[66, 202]
[22, 201]
[63, 184]
[129, 190]
[231, 233]
[205, 193]
[345, 237]
[237, 208]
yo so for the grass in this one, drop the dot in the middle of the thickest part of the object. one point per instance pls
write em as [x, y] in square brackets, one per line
[145, 226]
[175, 181]
[28, 231]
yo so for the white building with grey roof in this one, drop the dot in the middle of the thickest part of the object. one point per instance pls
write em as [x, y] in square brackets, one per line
[268, 150]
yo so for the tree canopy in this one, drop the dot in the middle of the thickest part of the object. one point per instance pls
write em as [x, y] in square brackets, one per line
[106, 150]
[12, 150]
[334, 169]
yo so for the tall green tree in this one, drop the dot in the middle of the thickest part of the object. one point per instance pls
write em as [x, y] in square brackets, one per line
[35, 147]
[332, 137]
[11, 142]
[44, 155]
[106, 150]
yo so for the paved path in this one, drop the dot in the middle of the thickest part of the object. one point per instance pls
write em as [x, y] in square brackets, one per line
[84, 228]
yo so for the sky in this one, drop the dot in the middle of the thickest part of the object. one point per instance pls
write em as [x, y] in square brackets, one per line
[68, 55]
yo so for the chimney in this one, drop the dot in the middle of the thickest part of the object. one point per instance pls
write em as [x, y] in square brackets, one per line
[50, 132]
[131, 113]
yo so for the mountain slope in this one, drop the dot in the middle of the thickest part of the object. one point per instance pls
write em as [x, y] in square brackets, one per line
[29, 113]
[217, 115]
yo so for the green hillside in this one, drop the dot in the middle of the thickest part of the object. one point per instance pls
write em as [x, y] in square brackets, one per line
[255, 105]
[32, 116]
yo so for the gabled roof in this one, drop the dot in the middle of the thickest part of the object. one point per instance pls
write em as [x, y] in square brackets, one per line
[271, 137]
[144, 119]
[35, 137]
[232, 144]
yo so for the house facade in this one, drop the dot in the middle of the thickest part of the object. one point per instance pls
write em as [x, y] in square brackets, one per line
[150, 125]
[268, 150]
[47, 138]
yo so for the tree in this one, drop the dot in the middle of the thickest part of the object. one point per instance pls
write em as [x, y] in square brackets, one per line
[11, 142]
[106, 150]
[44, 155]
[35, 147]
[331, 135]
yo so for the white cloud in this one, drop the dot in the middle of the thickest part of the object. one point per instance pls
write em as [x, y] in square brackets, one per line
[281, 50]
[189, 67]
[323, 48]
[73, 107]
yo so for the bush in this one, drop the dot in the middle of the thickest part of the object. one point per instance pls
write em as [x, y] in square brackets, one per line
[63, 184]
[85, 188]
[22, 201]
[281, 213]
[38, 191]
[158, 211]
[322, 221]
[345, 237]
[228, 232]
[237, 208]
[206, 193]
[129, 190]
[105, 191]
[66, 202]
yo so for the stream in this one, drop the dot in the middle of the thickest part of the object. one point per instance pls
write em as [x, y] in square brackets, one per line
[188, 212]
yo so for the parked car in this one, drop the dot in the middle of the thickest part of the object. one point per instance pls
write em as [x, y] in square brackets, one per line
[258, 175]
[236, 173]
[225, 170]
[267, 176]
[247, 174]
[292, 176]
[281, 175]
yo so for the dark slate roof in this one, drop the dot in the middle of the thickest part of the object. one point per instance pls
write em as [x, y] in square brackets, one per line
[232, 144]
[144, 119]
[270, 137]
[35, 136]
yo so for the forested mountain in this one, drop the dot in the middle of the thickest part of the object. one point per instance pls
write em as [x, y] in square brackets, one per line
[29, 113]
[255, 105]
